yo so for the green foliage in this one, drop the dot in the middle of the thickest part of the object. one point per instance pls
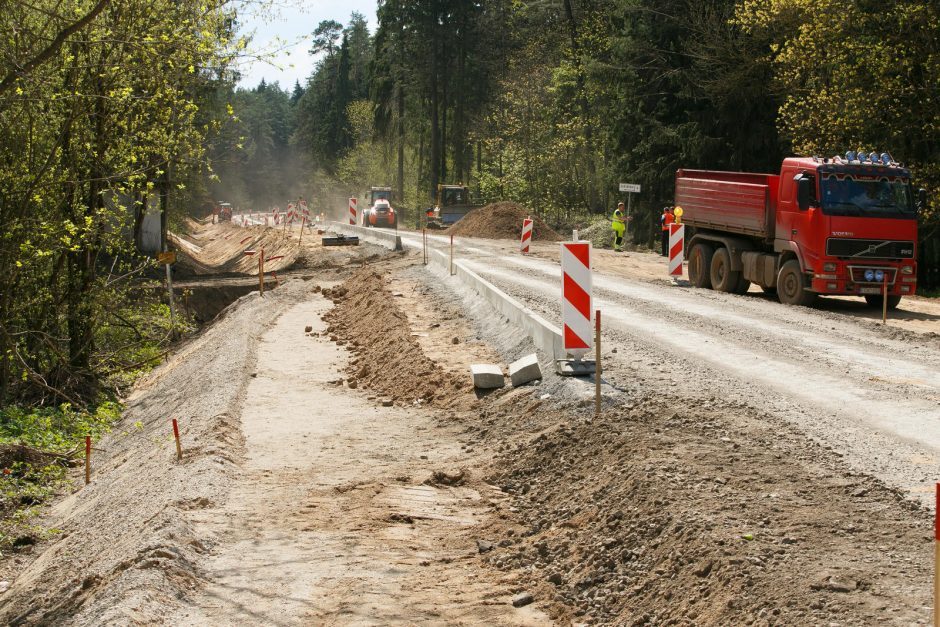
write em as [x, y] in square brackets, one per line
[91, 132]
[56, 429]
[27, 484]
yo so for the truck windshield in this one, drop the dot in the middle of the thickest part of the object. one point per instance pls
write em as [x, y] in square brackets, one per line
[867, 196]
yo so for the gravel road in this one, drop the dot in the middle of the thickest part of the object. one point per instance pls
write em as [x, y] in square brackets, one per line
[870, 393]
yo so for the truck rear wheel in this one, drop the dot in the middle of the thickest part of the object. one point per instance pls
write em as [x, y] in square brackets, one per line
[791, 285]
[877, 301]
[700, 263]
[723, 278]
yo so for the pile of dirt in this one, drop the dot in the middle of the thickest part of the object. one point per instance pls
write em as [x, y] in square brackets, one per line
[668, 514]
[388, 359]
[502, 220]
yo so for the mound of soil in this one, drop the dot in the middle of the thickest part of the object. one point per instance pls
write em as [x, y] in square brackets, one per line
[502, 220]
[389, 359]
[666, 514]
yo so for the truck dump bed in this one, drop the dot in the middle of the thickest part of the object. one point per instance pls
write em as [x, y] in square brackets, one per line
[736, 202]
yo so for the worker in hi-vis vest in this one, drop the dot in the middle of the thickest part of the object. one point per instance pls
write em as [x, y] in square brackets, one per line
[619, 225]
[665, 220]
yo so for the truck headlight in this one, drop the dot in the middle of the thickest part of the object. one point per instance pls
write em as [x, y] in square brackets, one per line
[869, 275]
[879, 275]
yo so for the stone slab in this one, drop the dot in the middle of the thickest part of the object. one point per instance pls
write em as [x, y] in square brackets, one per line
[487, 376]
[524, 370]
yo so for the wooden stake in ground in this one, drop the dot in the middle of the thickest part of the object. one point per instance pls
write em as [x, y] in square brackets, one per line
[261, 272]
[597, 363]
[302, 220]
[424, 242]
[176, 434]
[884, 301]
[452, 255]
[87, 459]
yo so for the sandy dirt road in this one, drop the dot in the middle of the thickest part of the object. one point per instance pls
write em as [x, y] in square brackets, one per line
[871, 393]
[330, 521]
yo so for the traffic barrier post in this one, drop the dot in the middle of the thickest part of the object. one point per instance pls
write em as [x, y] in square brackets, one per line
[352, 211]
[261, 272]
[452, 255]
[87, 459]
[424, 241]
[526, 236]
[597, 363]
[176, 435]
[676, 249]
[576, 297]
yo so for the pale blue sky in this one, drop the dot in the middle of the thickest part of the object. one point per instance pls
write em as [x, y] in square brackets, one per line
[283, 33]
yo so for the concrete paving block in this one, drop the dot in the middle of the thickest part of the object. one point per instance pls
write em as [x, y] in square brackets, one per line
[487, 376]
[524, 370]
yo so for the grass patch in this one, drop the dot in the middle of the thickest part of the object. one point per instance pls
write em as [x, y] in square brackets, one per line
[36, 448]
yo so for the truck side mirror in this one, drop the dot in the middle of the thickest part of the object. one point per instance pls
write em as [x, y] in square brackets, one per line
[922, 200]
[804, 191]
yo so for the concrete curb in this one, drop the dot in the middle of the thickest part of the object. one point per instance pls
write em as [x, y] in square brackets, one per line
[374, 236]
[545, 336]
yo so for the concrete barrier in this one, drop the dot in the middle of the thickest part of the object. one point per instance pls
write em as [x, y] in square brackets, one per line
[545, 336]
[375, 236]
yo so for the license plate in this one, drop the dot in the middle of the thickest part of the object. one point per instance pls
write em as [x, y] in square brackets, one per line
[869, 290]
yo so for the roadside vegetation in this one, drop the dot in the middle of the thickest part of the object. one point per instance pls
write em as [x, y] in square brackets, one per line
[103, 116]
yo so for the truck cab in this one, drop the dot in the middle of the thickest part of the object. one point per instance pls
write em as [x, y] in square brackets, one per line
[852, 225]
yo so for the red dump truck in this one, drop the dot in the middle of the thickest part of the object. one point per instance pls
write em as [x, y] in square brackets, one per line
[845, 225]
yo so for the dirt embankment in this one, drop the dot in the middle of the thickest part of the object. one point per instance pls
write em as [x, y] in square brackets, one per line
[124, 551]
[662, 513]
[502, 220]
[388, 358]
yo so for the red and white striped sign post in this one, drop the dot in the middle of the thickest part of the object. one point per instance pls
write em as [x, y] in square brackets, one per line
[526, 236]
[676, 249]
[576, 298]
[352, 211]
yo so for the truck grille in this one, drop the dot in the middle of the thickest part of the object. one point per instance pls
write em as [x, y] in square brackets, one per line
[869, 248]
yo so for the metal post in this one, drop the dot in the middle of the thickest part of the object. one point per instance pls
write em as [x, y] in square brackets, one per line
[884, 301]
[629, 202]
[424, 240]
[451, 255]
[597, 363]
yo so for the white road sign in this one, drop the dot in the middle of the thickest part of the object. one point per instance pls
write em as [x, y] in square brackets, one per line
[633, 188]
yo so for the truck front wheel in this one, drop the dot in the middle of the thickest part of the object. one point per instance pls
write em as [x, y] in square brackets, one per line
[723, 278]
[791, 286]
[877, 301]
[700, 263]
